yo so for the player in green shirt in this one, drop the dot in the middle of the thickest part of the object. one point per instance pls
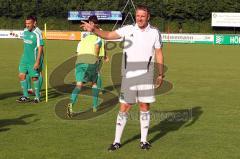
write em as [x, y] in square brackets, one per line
[86, 67]
[40, 78]
[31, 60]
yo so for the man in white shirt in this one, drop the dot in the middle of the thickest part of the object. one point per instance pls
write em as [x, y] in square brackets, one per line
[137, 70]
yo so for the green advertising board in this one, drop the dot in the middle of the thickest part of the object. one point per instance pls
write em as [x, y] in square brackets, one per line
[227, 39]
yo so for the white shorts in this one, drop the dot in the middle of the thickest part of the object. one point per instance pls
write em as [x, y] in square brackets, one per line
[137, 87]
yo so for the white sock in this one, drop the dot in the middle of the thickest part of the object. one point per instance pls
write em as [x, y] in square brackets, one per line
[144, 122]
[120, 124]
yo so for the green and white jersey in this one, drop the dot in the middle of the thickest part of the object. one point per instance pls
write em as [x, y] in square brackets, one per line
[38, 31]
[32, 40]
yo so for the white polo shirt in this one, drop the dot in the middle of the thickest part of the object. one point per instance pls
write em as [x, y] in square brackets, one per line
[139, 45]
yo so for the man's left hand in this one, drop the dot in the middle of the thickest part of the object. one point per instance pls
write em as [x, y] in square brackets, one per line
[36, 66]
[159, 81]
[106, 58]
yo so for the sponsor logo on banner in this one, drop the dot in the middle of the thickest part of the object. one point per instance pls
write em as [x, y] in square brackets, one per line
[227, 39]
[102, 15]
[188, 38]
[63, 35]
[16, 34]
[235, 40]
[219, 39]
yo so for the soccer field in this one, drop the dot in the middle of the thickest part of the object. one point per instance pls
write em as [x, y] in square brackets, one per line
[196, 115]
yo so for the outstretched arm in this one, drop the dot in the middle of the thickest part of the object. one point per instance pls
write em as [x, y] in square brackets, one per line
[108, 35]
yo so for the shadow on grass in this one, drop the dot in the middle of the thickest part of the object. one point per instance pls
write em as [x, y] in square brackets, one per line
[113, 87]
[170, 121]
[16, 121]
[108, 102]
[10, 94]
[51, 94]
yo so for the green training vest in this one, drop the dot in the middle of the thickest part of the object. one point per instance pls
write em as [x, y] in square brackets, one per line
[86, 53]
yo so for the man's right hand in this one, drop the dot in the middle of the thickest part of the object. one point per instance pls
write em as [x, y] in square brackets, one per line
[87, 27]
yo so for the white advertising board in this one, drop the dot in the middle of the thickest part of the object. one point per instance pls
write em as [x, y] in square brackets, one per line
[188, 38]
[12, 34]
[225, 19]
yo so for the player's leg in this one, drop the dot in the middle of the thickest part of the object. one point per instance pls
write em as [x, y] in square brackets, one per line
[75, 92]
[99, 81]
[34, 74]
[23, 83]
[144, 123]
[73, 98]
[93, 77]
[120, 125]
[121, 121]
[127, 98]
[80, 71]
[95, 93]
[145, 97]
[29, 83]
[36, 89]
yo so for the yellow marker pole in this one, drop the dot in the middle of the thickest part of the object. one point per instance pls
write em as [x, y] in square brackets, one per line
[46, 64]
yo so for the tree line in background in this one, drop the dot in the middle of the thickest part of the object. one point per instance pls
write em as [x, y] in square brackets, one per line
[186, 14]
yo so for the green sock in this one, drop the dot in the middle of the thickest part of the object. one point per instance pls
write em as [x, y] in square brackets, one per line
[40, 78]
[74, 94]
[99, 81]
[36, 88]
[28, 79]
[95, 92]
[24, 87]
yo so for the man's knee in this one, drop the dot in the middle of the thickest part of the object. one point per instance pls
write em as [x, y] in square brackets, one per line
[35, 78]
[144, 107]
[79, 85]
[94, 85]
[124, 107]
[22, 76]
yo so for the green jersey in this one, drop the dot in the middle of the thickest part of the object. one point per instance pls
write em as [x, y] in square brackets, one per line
[32, 40]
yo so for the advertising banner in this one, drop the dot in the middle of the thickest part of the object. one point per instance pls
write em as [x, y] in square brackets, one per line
[218, 39]
[63, 35]
[225, 19]
[6, 34]
[102, 15]
[227, 39]
[188, 38]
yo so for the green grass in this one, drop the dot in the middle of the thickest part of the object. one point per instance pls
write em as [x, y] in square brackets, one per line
[206, 88]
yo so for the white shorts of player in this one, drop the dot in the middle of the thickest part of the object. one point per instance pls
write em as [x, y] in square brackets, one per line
[137, 86]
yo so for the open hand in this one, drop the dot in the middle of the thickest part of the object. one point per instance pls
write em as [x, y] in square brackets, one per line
[159, 81]
[86, 26]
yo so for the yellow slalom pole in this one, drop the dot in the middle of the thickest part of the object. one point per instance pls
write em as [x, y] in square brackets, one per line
[46, 63]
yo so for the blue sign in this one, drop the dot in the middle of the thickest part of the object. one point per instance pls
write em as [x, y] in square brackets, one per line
[102, 15]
